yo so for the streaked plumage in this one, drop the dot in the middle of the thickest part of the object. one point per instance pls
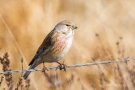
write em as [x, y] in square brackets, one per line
[55, 45]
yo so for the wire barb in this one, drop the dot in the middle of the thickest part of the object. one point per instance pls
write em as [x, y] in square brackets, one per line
[124, 60]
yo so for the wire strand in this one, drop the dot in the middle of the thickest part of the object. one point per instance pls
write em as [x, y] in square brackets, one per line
[124, 60]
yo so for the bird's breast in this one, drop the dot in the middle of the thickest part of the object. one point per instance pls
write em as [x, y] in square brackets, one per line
[60, 48]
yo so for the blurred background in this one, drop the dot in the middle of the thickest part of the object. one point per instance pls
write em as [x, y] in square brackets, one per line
[106, 31]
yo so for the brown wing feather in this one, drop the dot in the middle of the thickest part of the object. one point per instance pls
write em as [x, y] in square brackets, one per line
[45, 45]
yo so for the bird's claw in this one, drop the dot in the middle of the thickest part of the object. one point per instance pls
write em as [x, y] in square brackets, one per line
[61, 66]
[44, 68]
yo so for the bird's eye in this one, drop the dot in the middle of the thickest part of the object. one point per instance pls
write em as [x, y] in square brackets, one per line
[68, 25]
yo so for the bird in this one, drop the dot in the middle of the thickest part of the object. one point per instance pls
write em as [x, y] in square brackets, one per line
[55, 45]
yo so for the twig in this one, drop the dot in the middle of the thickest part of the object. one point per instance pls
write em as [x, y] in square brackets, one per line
[27, 86]
[20, 83]
[2, 79]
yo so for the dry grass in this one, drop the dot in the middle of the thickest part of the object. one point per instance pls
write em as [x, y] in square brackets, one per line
[106, 31]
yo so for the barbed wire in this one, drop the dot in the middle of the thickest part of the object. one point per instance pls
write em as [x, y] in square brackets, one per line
[124, 60]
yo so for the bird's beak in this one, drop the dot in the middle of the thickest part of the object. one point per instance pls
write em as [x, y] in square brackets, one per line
[74, 27]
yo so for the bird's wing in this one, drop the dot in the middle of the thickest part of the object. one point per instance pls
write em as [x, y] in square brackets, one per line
[48, 41]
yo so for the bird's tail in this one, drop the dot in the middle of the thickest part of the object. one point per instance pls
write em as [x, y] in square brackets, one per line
[28, 72]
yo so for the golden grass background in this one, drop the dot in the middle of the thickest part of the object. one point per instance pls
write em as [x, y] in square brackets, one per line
[106, 31]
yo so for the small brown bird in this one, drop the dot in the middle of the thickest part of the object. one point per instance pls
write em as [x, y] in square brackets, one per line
[56, 44]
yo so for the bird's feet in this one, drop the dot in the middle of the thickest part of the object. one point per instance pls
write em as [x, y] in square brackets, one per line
[61, 66]
[44, 68]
